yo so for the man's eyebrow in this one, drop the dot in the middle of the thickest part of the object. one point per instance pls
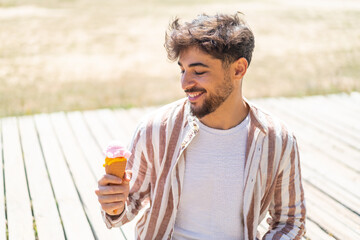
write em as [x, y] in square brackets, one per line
[196, 64]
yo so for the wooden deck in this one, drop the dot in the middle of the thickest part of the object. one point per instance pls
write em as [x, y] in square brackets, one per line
[51, 163]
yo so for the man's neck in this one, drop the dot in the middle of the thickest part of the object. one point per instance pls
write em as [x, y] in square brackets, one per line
[232, 112]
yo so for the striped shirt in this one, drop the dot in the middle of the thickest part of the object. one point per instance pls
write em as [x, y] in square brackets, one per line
[272, 175]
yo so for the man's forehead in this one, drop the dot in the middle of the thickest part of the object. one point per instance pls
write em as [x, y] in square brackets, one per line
[193, 56]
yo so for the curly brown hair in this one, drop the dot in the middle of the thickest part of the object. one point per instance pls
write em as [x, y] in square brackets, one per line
[225, 37]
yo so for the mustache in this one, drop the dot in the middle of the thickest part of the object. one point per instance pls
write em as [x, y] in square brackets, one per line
[195, 89]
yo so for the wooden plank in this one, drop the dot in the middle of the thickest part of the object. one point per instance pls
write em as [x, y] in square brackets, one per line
[343, 114]
[355, 97]
[97, 129]
[2, 200]
[349, 102]
[321, 113]
[46, 215]
[333, 148]
[329, 149]
[17, 195]
[314, 232]
[329, 145]
[333, 191]
[333, 172]
[137, 114]
[336, 114]
[337, 220]
[71, 210]
[84, 180]
[113, 126]
[87, 143]
[130, 119]
[285, 106]
[125, 121]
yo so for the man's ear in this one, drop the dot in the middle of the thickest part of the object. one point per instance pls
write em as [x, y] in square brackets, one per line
[240, 67]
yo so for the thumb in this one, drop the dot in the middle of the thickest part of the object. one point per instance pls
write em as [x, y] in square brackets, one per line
[127, 175]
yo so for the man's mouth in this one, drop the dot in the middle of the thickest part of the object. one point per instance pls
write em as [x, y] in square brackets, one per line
[193, 96]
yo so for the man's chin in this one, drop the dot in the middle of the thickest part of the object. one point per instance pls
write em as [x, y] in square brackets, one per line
[198, 112]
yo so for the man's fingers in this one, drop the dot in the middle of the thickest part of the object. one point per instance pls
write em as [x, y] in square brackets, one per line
[113, 189]
[111, 198]
[109, 179]
[127, 176]
[111, 192]
[110, 207]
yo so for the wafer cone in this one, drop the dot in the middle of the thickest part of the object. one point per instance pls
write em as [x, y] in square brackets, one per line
[116, 168]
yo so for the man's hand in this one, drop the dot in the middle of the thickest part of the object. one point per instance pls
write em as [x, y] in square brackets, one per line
[113, 192]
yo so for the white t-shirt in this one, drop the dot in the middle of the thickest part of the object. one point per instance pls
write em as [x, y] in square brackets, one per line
[211, 201]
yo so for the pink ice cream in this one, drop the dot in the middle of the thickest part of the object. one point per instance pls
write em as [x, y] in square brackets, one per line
[117, 150]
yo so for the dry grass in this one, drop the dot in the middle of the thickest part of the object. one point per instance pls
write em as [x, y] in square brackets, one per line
[87, 54]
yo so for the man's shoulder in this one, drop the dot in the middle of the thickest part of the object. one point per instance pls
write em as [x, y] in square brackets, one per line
[273, 124]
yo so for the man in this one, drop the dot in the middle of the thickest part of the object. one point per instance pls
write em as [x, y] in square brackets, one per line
[212, 165]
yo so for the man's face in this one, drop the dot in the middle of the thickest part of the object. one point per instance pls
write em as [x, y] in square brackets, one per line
[206, 83]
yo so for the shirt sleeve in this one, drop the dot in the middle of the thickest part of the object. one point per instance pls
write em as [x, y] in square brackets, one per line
[111, 221]
[140, 181]
[287, 209]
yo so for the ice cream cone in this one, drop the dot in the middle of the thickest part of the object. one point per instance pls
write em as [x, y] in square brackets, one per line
[116, 168]
[115, 161]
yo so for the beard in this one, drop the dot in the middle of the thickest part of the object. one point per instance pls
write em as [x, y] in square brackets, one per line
[213, 100]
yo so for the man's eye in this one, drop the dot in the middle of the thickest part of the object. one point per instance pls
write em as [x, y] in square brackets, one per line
[182, 71]
[199, 73]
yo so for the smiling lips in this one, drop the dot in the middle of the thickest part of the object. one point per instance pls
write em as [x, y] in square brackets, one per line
[193, 96]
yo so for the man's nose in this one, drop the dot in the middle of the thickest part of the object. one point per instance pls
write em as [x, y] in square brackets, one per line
[187, 81]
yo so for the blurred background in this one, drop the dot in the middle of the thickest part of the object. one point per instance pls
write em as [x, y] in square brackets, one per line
[64, 55]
